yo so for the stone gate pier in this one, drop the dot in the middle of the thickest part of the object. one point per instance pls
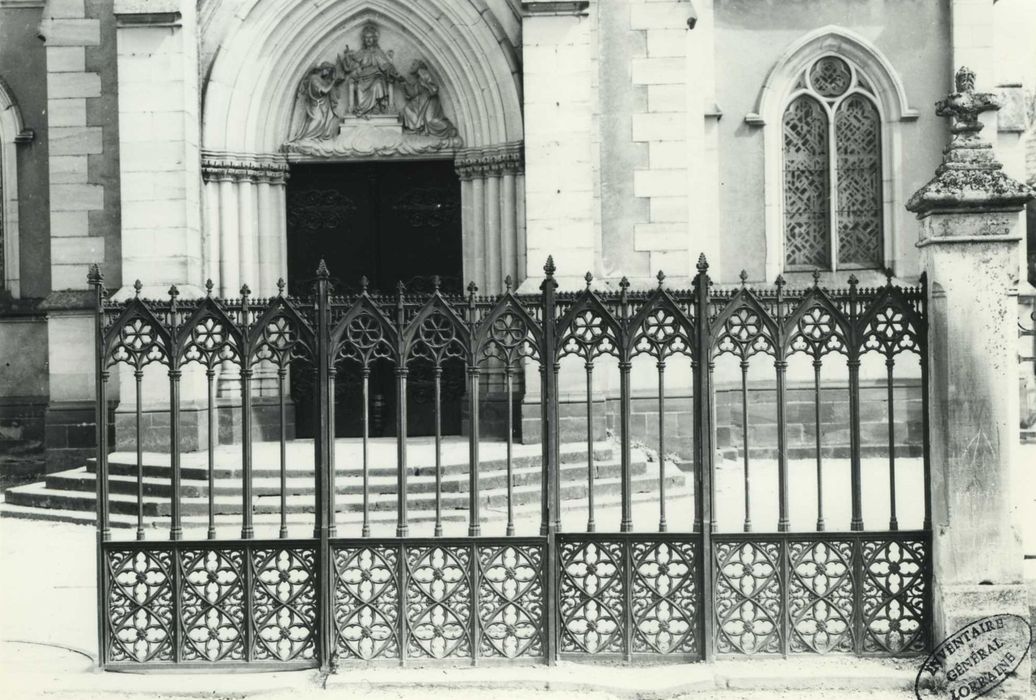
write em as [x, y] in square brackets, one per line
[970, 219]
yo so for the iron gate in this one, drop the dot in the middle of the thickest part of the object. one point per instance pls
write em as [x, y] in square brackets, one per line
[678, 587]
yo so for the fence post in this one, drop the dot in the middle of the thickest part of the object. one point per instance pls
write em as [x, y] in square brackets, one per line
[969, 233]
[549, 420]
[703, 452]
[103, 528]
[321, 437]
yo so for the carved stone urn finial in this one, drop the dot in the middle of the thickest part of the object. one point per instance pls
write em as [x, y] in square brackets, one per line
[970, 177]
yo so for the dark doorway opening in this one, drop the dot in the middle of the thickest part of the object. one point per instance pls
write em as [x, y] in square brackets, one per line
[391, 222]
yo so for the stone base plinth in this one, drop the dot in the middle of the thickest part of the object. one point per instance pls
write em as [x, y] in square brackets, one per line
[956, 606]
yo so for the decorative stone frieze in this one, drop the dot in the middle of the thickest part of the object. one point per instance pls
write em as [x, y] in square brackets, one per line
[970, 177]
[217, 167]
[491, 161]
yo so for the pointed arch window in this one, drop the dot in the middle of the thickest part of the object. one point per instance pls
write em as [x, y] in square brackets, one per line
[832, 170]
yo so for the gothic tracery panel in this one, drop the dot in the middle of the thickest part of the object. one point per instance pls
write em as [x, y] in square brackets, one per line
[858, 151]
[806, 197]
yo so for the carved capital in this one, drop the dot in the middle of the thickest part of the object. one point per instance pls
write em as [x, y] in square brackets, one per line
[231, 167]
[490, 161]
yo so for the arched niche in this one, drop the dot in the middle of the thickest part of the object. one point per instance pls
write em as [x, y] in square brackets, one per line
[11, 128]
[265, 49]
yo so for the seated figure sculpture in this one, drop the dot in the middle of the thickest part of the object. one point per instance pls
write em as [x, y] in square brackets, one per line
[372, 72]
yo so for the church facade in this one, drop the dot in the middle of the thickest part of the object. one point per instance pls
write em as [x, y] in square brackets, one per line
[242, 141]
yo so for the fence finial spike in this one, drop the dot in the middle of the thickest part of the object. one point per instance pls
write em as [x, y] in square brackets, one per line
[624, 284]
[436, 282]
[549, 267]
[661, 278]
[208, 287]
[280, 286]
[245, 291]
[364, 283]
[743, 276]
[472, 288]
[322, 270]
[400, 287]
[703, 264]
[508, 283]
[94, 276]
[174, 292]
[888, 276]
[816, 277]
[589, 278]
[137, 286]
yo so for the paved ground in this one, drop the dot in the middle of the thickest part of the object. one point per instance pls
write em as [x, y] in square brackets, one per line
[48, 637]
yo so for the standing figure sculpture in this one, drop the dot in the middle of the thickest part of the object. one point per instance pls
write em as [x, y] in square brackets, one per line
[372, 72]
[316, 94]
[423, 112]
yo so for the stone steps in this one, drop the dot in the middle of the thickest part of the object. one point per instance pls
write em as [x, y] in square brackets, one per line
[70, 495]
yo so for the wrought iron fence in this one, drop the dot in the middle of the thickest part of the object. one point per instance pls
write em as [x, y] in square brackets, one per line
[677, 587]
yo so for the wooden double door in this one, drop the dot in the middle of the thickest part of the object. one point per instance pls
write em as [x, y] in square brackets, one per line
[391, 222]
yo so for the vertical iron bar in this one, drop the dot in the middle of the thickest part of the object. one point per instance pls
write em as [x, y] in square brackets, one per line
[247, 530]
[510, 446]
[781, 365]
[332, 510]
[438, 449]
[318, 445]
[476, 618]
[401, 431]
[627, 596]
[322, 467]
[713, 441]
[926, 437]
[853, 363]
[103, 528]
[403, 576]
[856, 523]
[366, 528]
[893, 521]
[744, 444]
[782, 447]
[662, 526]
[549, 422]
[816, 422]
[926, 440]
[697, 437]
[210, 376]
[590, 524]
[138, 375]
[625, 445]
[474, 517]
[176, 526]
[282, 372]
[703, 401]
[249, 575]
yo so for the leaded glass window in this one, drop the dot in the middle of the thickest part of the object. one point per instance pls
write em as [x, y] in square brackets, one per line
[832, 170]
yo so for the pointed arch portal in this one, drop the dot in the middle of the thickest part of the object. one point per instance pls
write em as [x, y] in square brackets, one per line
[254, 58]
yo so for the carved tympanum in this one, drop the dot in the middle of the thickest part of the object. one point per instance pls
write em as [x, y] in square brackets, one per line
[360, 104]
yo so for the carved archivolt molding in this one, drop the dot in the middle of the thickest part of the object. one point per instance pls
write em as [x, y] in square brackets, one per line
[491, 161]
[220, 167]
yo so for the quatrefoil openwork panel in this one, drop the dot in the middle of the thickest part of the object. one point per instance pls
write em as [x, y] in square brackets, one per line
[893, 596]
[589, 336]
[660, 334]
[748, 597]
[817, 333]
[509, 339]
[209, 343]
[437, 339]
[890, 332]
[743, 335]
[138, 343]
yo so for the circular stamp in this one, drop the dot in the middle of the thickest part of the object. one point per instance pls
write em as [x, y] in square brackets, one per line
[975, 659]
